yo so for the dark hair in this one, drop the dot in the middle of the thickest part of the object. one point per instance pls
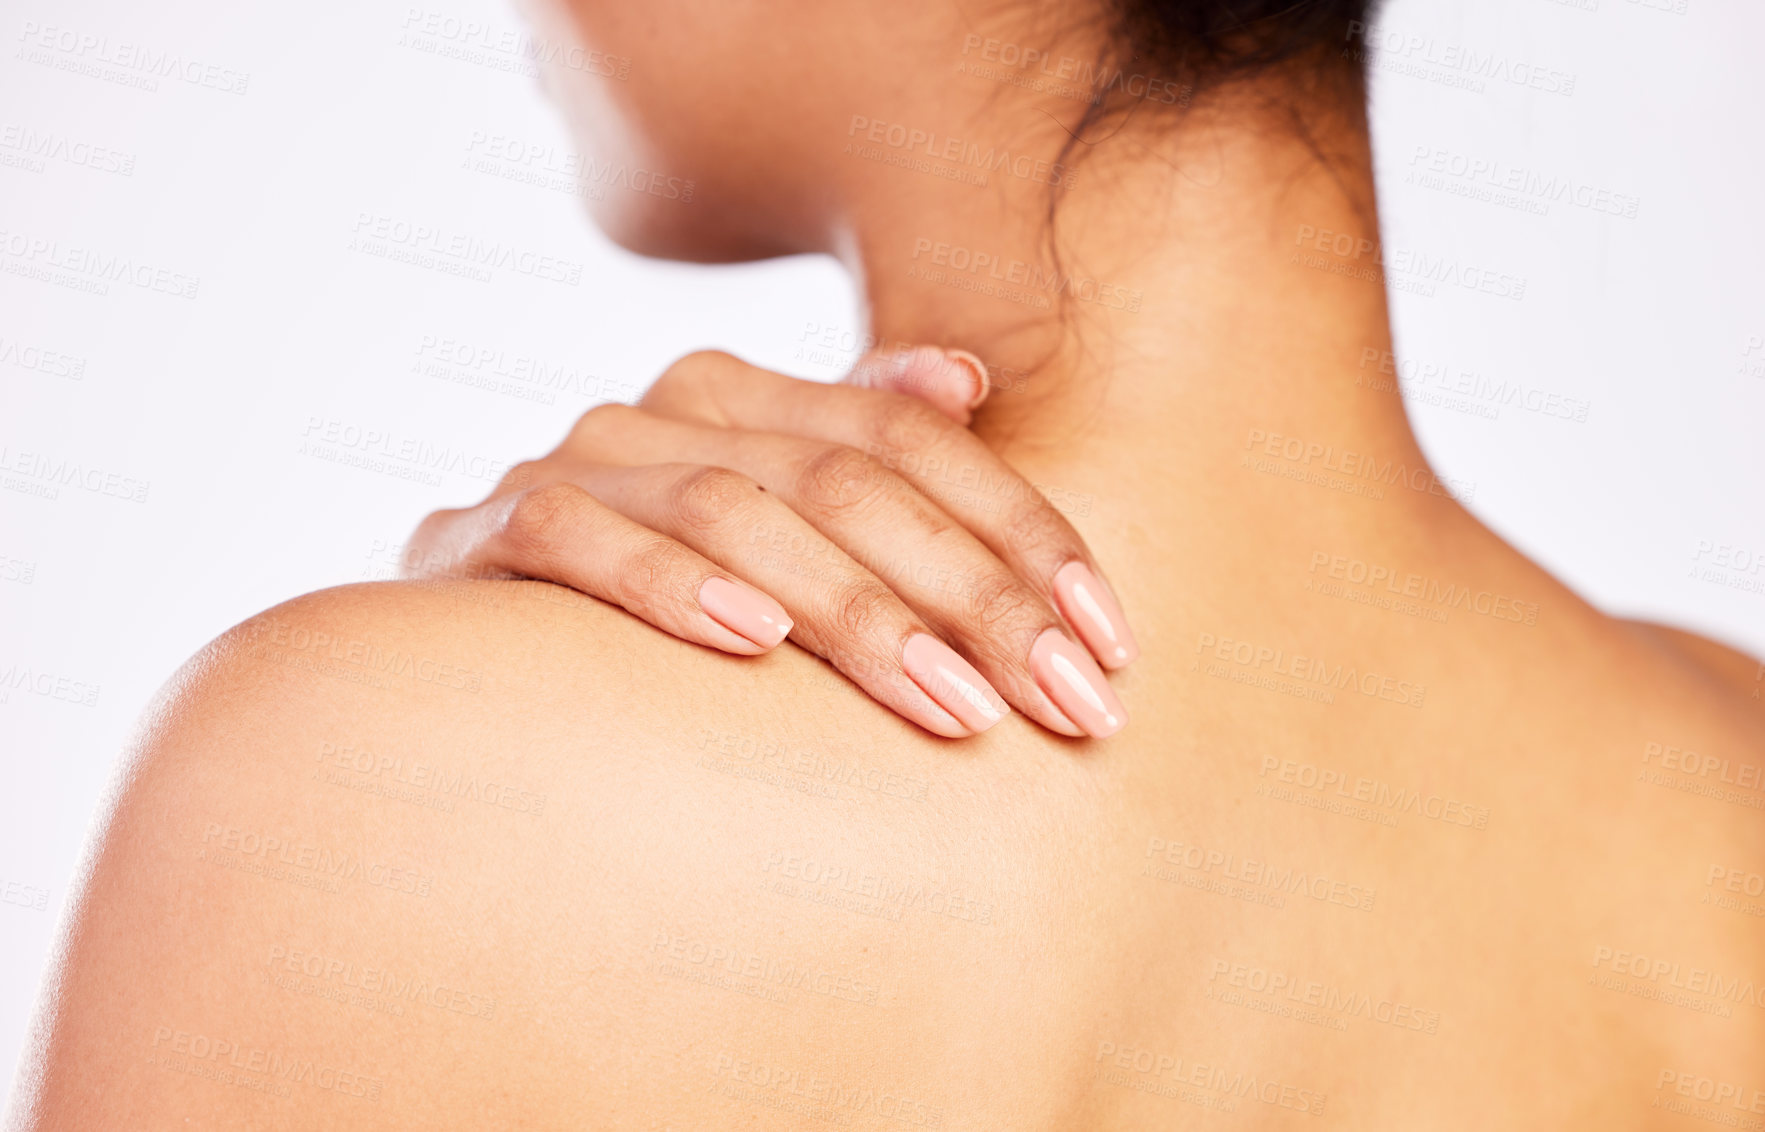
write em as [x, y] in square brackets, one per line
[1197, 46]
[1205, 43]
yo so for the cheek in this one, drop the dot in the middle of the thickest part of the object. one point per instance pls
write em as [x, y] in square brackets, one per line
[665, 112]
[587, 69]
[608, 34]
[640, 191]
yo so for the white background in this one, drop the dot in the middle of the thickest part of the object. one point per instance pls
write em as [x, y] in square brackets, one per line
[207, 401]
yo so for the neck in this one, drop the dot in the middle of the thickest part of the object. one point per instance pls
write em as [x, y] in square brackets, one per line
[1195, 363]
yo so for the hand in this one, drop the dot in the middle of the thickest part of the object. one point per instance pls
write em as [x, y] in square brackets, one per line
[735, 506]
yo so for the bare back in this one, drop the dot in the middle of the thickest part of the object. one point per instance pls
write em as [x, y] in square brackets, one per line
[492, 854]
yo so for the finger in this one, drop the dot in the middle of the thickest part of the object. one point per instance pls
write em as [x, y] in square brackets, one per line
[560, 533]
[841, 611]
[859, 511]
[946, 462]
[954, 382]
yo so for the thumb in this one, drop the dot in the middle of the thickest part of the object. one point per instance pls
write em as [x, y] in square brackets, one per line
[952, 381]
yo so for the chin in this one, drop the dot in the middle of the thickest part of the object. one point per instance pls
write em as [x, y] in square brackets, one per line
[680, 227]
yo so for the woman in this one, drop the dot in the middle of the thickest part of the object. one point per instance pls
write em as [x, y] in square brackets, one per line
[1401, 833]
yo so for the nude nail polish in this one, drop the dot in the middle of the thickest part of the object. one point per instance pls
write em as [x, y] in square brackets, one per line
[1090, 608]
[1076, 685]
[744, 610]
[976, 375]
[952, 682]
[953, 379]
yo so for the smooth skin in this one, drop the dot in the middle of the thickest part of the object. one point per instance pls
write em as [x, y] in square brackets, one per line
[1402, 835]
[736, 505]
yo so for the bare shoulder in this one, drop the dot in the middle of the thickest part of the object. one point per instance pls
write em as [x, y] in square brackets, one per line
[400, 855]
[1729, 668]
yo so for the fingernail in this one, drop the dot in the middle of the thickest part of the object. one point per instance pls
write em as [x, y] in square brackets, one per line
[745, 610]
[953, 682]
[955, 378]
[1074, 682]
[1089, 607]
[976, 375]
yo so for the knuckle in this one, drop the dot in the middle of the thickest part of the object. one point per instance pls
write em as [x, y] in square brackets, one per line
[904, 424]
[652, 563]
[839, 478]
[432, 548]
[997, 600]
[696, 367]
[519, 476]
[650, 575]
[708, 497]
[862, 608]
[1032, 525]
[689, 383]
[544, 519]
[612, 416]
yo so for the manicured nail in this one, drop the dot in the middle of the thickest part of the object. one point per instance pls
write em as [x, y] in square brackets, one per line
[955, 380]
[1074, 682]
[976, 375]
[953, 682]
[745, 610]
[1089, 607]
